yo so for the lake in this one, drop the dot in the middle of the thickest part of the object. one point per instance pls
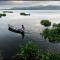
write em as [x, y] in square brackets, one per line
[9, 41]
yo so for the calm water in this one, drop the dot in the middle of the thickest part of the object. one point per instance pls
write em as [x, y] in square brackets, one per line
[9, 41]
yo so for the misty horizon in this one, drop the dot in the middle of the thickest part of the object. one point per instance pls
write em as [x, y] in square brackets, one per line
[28, 4]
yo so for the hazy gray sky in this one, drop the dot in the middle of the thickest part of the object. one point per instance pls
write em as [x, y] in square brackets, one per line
[9, 4]
[28, 2]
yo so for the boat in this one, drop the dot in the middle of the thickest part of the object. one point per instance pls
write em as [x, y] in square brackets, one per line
[15, 29]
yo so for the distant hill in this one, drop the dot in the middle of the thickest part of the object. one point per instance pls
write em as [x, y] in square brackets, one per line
[49, 7]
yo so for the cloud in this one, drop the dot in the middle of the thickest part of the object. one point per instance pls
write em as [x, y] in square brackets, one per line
[29, 2]
[10, 4]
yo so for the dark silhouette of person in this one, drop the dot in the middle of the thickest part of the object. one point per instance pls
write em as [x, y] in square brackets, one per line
[23, 28]
[23, 34]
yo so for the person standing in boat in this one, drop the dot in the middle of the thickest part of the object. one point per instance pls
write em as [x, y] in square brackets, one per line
[23, 34]
[23, 28]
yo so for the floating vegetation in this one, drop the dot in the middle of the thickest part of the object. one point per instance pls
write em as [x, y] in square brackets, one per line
[52, 34]
[2, 15]
[25, 14]
[31, 51]
[45, 22]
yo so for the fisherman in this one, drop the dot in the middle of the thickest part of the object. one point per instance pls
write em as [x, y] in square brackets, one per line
[23, 28]
[23, 34]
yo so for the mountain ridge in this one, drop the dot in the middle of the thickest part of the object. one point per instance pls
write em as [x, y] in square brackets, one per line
[49, 7]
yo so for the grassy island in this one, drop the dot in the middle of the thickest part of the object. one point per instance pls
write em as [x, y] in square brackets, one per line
[31, 51]
[2, 15]
[25, 14]
[45, 22]
[52, 34]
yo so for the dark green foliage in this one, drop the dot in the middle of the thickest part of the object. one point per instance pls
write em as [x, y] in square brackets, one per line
[54, 25]
[2, 15]
[52, 34]
[24, 14]
[45, 33]
[46, 22]
[50, 56]
[31, 51]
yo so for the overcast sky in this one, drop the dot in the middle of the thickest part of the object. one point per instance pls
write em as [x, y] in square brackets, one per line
[10, 4]
[28, 2]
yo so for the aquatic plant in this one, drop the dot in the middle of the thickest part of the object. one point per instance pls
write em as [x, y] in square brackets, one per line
[54, 25]
[52, 34]
[2, 15]
[31, 51]
[24, 14]
[45, 22]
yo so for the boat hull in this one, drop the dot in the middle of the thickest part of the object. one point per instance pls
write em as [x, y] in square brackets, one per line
[17, 31]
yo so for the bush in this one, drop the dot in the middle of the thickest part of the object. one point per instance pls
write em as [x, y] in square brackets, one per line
[0, 15]
[24, 14]
[3, 14]
[46, 22]
[31, 51]
[52, 34]
[55, 25]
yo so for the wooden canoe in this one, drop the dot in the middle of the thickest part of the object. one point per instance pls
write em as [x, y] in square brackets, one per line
[14, 29]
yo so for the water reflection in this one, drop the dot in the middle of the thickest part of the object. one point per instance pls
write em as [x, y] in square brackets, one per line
[23, 35]
[9, 41]
[17, 31]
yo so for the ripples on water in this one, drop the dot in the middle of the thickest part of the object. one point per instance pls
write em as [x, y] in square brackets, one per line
[9, 41]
